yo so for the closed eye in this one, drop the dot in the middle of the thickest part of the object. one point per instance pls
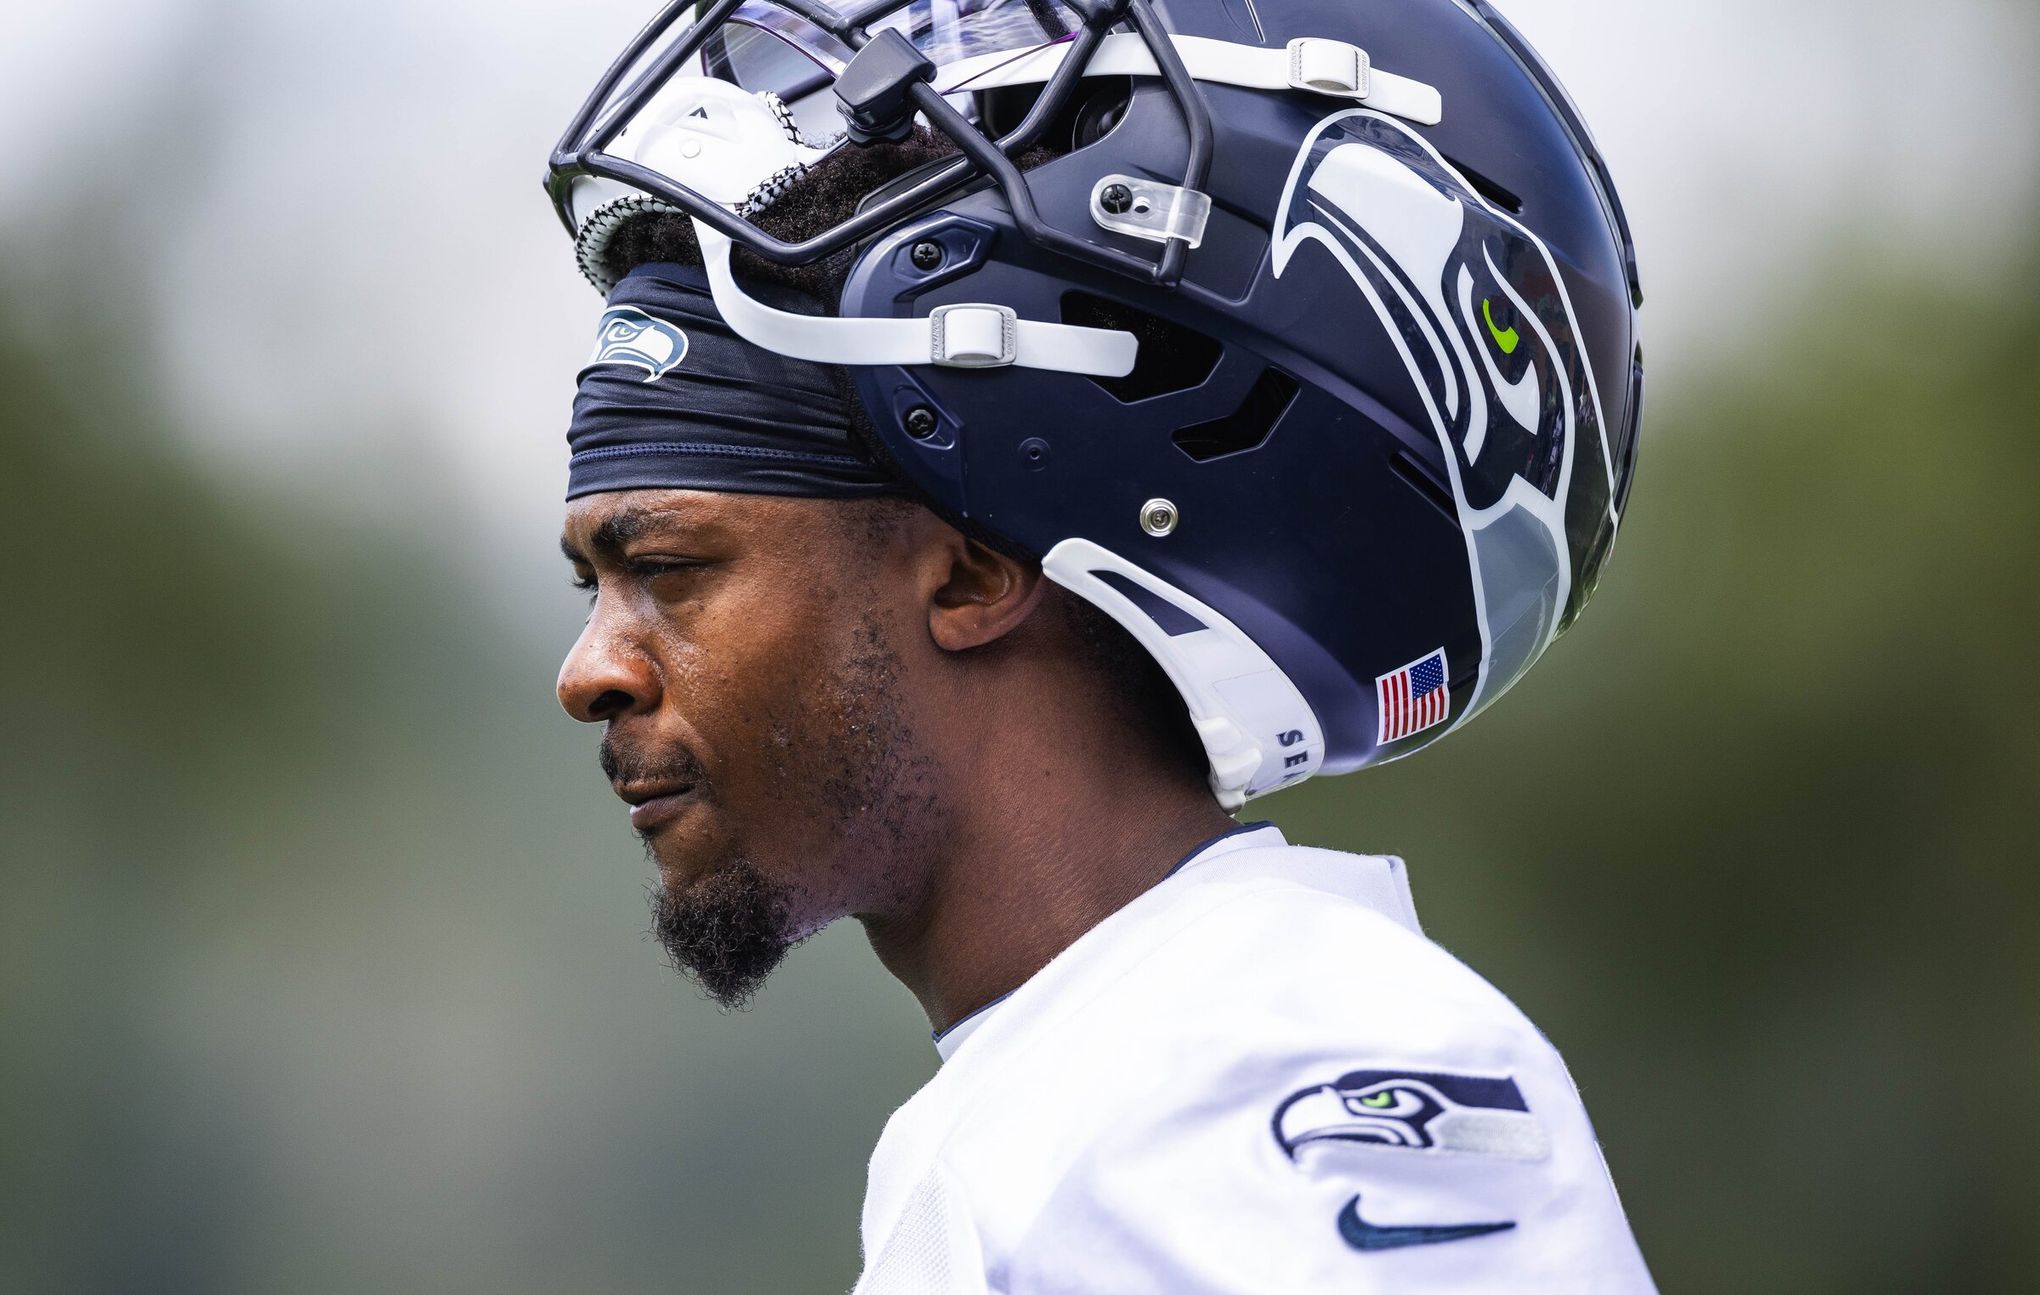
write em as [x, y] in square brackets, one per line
[639, 569]
[653, 568]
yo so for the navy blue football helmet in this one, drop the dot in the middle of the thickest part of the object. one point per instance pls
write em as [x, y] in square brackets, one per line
[1299, 336]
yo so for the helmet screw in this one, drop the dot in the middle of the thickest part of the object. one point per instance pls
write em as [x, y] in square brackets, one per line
[1158, 517]
[1034, 453]
[926, 255]
[920, 422]
[1116, 198]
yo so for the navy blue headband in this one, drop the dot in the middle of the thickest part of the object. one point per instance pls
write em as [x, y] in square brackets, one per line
[672, 399]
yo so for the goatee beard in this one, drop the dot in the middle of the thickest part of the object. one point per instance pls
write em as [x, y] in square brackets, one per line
[725, 932]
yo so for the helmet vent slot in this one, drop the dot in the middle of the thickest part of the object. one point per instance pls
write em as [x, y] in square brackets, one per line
[1172, 357]
[1488, 189]
[1418, 478]
[1625, 471]
[1247, 427]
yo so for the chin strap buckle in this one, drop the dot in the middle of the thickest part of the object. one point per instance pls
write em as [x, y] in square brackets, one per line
[972, 336]
[1330, 67]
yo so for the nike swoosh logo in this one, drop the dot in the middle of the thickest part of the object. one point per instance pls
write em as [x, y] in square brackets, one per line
[1506, 338]
[1362, 1235]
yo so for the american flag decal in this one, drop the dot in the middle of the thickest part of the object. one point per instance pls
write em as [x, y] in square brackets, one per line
[1413, 698]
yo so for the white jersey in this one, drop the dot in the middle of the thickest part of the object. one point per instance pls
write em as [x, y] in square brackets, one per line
[1257, 1077]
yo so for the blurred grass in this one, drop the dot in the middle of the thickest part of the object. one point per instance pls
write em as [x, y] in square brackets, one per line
[319, 945]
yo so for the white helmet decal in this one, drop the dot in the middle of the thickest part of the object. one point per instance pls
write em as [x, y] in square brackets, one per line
[1423, 244]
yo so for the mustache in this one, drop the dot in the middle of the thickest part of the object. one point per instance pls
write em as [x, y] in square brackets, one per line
[622, 765]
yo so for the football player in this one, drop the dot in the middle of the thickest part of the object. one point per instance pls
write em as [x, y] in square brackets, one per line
[1021, 433]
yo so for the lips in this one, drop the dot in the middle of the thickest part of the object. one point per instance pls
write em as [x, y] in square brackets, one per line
[653, 807]
[659, 781]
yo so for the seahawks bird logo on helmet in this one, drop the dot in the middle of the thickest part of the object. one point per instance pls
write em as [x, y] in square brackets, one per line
[1480, 315]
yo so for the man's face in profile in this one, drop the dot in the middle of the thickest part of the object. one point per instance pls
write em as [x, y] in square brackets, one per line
[746, 656]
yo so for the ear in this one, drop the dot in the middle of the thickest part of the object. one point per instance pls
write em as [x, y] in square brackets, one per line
[978, 595]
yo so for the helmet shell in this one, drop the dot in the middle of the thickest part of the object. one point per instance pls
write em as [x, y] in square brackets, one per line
[1393, 402]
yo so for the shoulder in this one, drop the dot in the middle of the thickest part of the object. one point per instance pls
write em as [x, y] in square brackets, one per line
[1293, 1004]
[1308, 950]
[1281, 961]
[1286, 1078]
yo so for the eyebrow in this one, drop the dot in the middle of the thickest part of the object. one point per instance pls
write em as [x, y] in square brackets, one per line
[613, 533]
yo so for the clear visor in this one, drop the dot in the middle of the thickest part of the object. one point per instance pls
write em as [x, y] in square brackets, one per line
[763, 47]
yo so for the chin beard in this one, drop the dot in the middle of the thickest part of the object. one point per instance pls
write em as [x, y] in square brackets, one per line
[726, 932]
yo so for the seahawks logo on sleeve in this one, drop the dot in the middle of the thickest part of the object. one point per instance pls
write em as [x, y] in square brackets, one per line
[1426, 1112]
[1406, 1112]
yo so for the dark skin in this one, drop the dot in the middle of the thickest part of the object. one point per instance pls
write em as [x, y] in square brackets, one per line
[875, 716]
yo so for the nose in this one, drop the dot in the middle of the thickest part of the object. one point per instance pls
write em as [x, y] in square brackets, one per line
[605, 675]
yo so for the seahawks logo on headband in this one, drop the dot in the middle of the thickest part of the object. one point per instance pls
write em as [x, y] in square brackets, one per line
[630, 336]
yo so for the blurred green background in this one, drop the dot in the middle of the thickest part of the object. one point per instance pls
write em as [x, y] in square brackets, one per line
[321, 953]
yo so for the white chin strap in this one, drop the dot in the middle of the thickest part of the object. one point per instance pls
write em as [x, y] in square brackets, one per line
[1314, 64]
[964, 336]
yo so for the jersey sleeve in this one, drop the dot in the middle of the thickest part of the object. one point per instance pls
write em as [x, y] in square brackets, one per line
[1428, 1140]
